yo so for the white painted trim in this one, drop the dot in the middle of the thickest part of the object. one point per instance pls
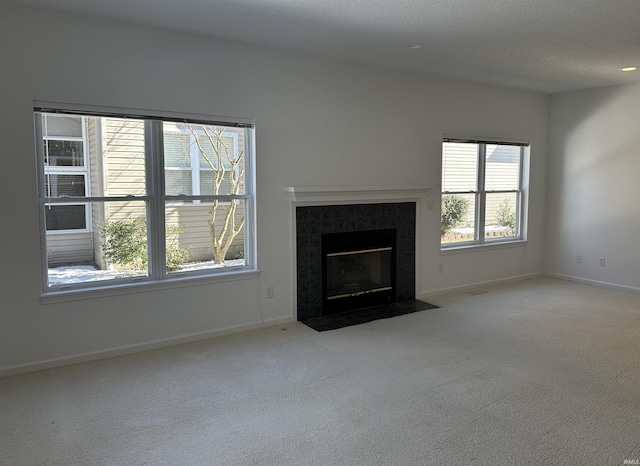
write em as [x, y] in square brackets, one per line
[587, 281]
[335, 195]
[474, 247]
[140, 113]
[138, 347]
[145, 285]
[473, 286]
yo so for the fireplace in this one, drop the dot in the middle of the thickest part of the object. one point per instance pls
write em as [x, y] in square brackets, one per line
[366, 231]
[358, 269]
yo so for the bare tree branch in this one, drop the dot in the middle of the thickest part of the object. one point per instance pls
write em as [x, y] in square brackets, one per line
[221, 240]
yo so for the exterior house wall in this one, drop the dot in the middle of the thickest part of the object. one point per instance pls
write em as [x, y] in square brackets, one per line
[69, 248]
[193, 220]
[66, 248]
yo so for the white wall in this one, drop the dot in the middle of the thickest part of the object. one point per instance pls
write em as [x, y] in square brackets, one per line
[318, 123]
[594, 187]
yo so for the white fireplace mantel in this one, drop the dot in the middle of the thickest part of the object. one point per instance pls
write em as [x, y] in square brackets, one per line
[344, 194]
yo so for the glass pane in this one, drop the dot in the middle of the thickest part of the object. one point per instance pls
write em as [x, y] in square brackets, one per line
[65, 217]
[208, 158]
[122, 159]
[207, 183]
[217, 150]
[193, 243]
[501, 216]
[503, 167]
[178, 182]
[63, 153]
[219, 153]
[459, 166]
[358, 273]
[458, 218]
[177, 151]
[65, 185]
[114, 247]
[61, 125]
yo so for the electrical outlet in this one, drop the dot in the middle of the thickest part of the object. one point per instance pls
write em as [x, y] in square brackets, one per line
[269, 292]
[601, 262]
[440, 268]
[579, 258]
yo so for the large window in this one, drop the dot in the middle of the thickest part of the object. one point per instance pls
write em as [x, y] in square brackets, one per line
[483, 196]
[131, 198]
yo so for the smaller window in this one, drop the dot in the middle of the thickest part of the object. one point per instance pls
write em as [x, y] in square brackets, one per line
[482, 192]
[66, 171]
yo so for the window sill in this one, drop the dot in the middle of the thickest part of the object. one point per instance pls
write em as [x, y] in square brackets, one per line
[482, 247]
[63, 296]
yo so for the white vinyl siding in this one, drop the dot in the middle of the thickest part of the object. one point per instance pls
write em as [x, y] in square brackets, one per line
[124, 165]
[195, 236]
[70, 248]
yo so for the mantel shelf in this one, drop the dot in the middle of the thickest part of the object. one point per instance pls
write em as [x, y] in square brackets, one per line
[355, 193]
[357, 189]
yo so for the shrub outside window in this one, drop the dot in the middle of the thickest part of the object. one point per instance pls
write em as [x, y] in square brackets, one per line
[483, 199]
[127, 198]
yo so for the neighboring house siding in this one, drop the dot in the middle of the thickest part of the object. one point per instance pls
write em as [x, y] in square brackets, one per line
[503, 171]
[124, 161]
[194, 221]
[69, 248]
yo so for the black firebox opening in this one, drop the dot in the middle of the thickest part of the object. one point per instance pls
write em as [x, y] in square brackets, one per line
[358, 270]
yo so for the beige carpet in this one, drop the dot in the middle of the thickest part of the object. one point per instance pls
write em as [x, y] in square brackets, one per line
[542, 372]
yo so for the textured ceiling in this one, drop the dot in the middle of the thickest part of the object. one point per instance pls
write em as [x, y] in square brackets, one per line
[541, 45]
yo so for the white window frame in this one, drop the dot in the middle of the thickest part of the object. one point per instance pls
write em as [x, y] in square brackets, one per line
[480, 193]
[155, 198]
[84, 171]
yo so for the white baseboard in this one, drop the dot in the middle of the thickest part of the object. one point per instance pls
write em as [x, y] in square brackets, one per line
[138, 347]
[588, 281]
[476, 285]
[156, 344]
